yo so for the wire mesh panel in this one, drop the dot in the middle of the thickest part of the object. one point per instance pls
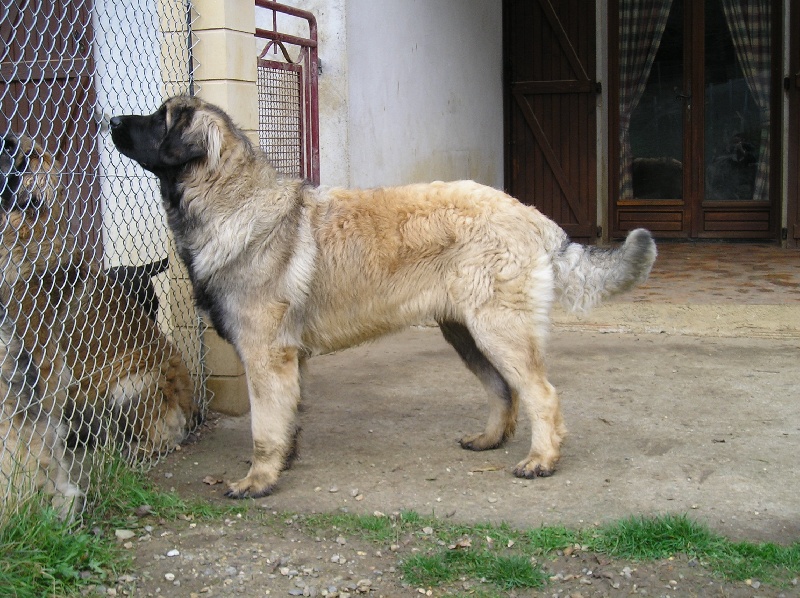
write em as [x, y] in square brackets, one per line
[280, 124]
[288, 112]
[100, 350]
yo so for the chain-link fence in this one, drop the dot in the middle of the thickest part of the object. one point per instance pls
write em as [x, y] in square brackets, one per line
[100, 346]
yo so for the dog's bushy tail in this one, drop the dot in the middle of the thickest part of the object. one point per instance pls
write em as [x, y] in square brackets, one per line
[586, 275]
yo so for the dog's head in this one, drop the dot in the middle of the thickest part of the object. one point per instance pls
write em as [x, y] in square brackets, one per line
[29, 176]
[182, 132]
[34, 226]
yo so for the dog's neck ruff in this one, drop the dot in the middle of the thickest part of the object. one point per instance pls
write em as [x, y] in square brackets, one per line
[210, 233]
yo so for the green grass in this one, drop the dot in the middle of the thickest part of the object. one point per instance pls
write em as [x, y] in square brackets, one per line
[382, 530]
[641, 538]
[43, 556]
[116, 490]
[506, 572]
[504, 558]
[660, 537]
[742, 560]
[442, 562]
[549, 539]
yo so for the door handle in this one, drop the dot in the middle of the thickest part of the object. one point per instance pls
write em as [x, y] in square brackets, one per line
[682, 96]
[686, 98]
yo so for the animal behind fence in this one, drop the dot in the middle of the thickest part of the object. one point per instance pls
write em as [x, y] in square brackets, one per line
[85, 364]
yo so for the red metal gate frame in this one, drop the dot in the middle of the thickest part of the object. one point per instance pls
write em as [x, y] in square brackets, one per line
[307, 65]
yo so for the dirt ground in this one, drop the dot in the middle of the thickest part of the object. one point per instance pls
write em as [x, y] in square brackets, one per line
[703, 426]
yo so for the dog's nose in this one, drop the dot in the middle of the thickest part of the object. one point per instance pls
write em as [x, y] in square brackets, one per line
[115, 122]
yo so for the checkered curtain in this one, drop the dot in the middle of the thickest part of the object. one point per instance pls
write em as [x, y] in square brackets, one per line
[641, 25]
[749, 24]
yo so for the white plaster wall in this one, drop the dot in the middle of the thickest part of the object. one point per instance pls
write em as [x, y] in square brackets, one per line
[131, 78]
[128, 79]
[425, 91]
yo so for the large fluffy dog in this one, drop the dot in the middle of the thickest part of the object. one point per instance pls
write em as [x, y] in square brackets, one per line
[285, 270]
[104, 367]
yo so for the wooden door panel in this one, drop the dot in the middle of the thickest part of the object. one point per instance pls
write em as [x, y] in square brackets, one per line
[556, 162]
[551, 113]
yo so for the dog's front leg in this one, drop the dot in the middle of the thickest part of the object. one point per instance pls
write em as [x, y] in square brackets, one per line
[273, 381]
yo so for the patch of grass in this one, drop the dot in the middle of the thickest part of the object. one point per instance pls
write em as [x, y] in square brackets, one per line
[643, 538]
[370, 527]
[765, 562]
[116, 490]
[43, 556]
[500, 535]
[664, 536]
[549, 539]
[447, 566]
[501, 556]
[450, 551]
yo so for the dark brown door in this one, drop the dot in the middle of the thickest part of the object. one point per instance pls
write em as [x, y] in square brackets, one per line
[551, 113]
[695, 125]
[793, 89]
[46, 90]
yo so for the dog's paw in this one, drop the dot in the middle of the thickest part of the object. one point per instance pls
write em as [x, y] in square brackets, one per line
[531, 468]
[480, 442]
[249, 487]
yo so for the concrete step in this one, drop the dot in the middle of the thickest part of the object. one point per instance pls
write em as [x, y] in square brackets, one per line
[719, 320]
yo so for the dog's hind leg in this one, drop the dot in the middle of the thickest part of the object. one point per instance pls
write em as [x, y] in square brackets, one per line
[510, 341]
[502, 402]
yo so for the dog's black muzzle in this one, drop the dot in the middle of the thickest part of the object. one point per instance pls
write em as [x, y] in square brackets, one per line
[134, 137]
[120, 134]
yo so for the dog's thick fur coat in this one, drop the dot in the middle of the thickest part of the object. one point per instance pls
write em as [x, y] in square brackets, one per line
[286, 270]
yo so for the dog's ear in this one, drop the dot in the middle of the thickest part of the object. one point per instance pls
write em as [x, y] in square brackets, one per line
[176, 149]
[185, 141]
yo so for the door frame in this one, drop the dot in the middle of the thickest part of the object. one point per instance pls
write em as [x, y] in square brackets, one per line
[792, 86]
[693, 208]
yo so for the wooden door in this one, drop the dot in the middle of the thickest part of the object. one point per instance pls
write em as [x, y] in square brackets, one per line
[46, 92]
[695, 133]
[793, 90]
[551, 92]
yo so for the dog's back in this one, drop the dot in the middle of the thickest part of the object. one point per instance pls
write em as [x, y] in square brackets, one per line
[397, 256]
